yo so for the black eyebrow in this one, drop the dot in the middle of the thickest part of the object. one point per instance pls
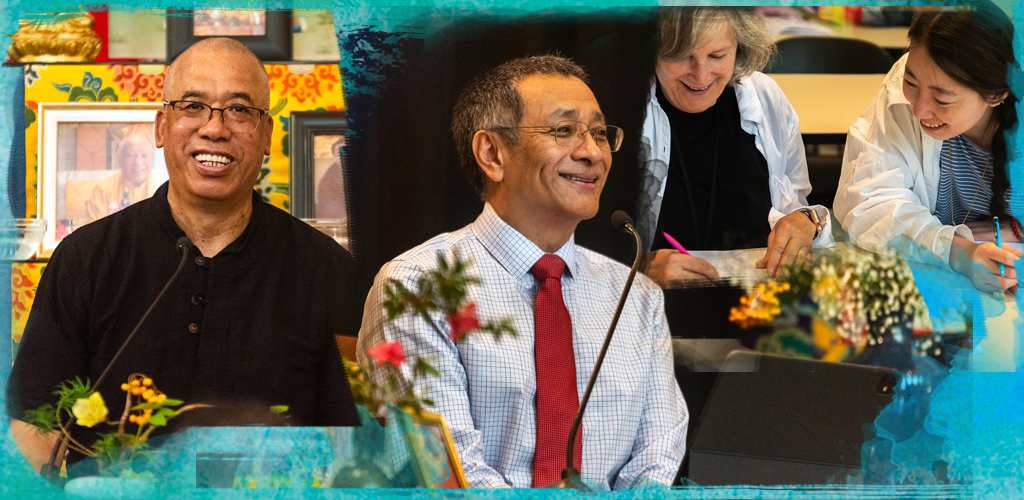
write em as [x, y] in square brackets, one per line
[201, 95]
[566, 113]
[940, 90]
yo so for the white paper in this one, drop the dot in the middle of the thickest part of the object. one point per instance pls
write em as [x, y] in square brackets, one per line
[735, 263]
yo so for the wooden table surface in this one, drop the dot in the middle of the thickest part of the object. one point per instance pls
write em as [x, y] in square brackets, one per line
[828, 104]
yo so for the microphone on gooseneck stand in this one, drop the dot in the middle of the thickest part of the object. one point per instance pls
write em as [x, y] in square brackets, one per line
[623, 223]
[51, 469]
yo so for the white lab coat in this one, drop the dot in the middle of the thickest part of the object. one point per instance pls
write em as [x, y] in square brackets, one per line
[890, 181]
[767, 115]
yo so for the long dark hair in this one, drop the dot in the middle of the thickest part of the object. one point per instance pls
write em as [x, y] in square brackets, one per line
[974, 49]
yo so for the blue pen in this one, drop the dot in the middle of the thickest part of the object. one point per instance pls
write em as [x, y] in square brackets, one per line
[999, 243]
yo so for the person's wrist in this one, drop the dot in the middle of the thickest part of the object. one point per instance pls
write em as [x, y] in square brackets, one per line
[812, 216]
[961, 254]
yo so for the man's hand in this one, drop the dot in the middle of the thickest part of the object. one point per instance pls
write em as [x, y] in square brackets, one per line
[983, 230]
[791, 239]
[34, 444]
[980, 263]
[672, 269]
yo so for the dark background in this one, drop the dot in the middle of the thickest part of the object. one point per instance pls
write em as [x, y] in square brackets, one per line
[407, 185]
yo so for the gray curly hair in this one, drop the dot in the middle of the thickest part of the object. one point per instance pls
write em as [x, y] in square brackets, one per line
[684, 28]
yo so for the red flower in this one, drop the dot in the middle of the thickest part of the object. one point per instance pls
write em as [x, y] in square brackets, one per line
[464, 321]
[388, 352]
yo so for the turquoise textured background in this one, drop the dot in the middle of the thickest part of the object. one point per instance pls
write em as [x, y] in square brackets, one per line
[982, 413]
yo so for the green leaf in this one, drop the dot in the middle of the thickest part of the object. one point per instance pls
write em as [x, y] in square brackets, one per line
[281, 187]
[422, 368]
[278, 107]
[43, 418]
[107, 95]
[161, 416]
[71, 391]
[106, 442]
[152, 406]
[279, 408]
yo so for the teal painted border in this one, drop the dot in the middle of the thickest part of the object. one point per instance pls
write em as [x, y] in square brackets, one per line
[992, 436]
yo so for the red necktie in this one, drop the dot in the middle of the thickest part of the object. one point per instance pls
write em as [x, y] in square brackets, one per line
[557, 399]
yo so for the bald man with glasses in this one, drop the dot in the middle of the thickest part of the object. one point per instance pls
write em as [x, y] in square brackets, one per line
[248, 324]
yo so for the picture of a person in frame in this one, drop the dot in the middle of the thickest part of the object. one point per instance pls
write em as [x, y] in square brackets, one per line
[103, 169]
[130, 183]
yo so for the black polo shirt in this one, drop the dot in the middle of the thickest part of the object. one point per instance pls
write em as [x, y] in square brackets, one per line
[247, 329]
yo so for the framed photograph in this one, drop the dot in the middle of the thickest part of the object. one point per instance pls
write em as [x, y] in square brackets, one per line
[319, 175]
[267, 33]
[94, 159]
[435, 424]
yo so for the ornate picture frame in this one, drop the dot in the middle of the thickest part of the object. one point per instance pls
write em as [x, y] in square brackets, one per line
[319, 175]
[275, 44]
[434, 423]
[88, 152]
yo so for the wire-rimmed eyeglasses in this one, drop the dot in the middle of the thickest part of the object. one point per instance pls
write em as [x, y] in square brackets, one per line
[569, 133]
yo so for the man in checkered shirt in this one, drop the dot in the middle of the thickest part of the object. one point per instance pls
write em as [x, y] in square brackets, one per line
[534, 144]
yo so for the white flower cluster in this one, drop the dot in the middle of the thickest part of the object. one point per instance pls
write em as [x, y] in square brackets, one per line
[864, 294]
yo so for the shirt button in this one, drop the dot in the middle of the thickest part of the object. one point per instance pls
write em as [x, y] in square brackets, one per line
[200, 261]
[193, 328]
[198, 299]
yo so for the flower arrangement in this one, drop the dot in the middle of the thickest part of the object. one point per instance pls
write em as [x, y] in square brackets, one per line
[444, 290]
[854, 299]
[146, 408]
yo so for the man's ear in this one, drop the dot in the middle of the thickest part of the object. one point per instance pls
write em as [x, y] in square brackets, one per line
[489, 150]
[158, 128]
[268, 133]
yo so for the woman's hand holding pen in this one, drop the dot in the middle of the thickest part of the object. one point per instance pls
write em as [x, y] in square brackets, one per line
[672, 269]
[791, 239]
[980, 263]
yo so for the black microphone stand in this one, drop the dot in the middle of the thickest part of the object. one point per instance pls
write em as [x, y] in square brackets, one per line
[571, 476]
[51, 469]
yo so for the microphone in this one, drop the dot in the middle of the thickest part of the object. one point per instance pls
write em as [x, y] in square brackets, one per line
[184, 245]
[51, 469]
[624, 223]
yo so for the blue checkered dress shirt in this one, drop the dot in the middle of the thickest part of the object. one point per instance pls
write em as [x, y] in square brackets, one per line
[635, 424]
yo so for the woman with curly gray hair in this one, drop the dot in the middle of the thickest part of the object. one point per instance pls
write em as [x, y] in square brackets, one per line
[724, 159]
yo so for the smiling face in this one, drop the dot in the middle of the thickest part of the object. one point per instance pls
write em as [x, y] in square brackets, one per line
[693, 84]
[135, 159]
[543, 183]
[945, 108]
[213, 162]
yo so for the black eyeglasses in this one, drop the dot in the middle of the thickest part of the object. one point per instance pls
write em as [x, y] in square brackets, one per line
[236, 116]
[569, 133]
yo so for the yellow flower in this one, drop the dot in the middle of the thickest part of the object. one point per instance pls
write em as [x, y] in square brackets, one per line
[90, 411]
[759, 306]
